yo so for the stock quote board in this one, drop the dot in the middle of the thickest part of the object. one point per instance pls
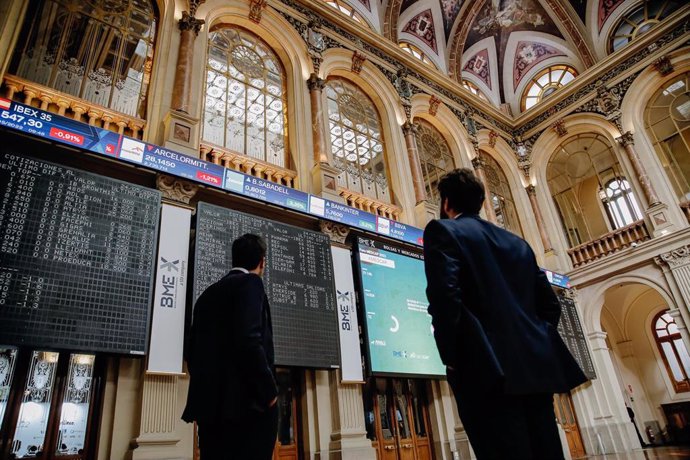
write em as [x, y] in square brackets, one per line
[571, 332]
[77, 257]
[298, 280]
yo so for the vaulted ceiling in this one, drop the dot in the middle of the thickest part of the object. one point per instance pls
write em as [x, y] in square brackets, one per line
[500, 45]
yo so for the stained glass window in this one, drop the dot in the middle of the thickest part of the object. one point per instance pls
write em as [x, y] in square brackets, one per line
[245, 101]
[356, 141]
[673, 350]
[434, 156]
[639, 21]
[500, 195]
[97, 50]
[667, 120]
[545, 83]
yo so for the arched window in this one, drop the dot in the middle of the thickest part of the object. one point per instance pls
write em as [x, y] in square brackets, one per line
[245, 103]
[579, 177]
[416, 52]
[356, 140]
[621, 205]
[639, 21]
[545, 83]
[100, 51]
[672, 350]
[434, 156]
[347, 10]
[667, 119]
[474, 89]
[500, 195]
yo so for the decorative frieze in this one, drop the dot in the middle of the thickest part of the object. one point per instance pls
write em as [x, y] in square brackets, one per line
[493, 135]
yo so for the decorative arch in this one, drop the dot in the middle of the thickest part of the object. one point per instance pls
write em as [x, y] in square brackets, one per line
[449, 125]
[544, 148]
[479, 66]
[592, 310]
[337, 62]
[433, 45]
[633, 108]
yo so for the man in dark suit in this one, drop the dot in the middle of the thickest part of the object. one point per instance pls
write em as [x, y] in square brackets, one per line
[495, 316]
[232, 389]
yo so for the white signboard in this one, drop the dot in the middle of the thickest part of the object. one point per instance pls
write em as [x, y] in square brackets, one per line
[350, 353]
[167, 330]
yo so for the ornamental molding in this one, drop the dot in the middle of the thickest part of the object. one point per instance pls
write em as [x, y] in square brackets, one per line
[663, 65]
[674, 259]
[559, 127]
[434, 103]
[175, 189]
[256, 7]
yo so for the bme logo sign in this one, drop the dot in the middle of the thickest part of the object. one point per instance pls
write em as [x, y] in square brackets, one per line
[168, 282]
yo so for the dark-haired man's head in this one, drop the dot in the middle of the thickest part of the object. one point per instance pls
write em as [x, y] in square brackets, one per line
[461, 193]
[249, 252]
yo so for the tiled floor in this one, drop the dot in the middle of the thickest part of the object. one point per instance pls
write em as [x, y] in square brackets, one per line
[658, 453]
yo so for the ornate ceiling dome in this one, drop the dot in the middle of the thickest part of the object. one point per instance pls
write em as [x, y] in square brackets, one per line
[502, 47]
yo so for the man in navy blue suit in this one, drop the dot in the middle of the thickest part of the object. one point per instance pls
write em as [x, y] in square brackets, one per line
[495, 317]
[229, 353]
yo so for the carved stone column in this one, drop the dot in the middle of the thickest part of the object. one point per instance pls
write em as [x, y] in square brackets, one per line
[160, 429]
[656, 211]
[543, 234]
[676, 267]
[410, 132]
[316, 86]
[478, 165]
[626, 140]
[349, 436]
[189, 30]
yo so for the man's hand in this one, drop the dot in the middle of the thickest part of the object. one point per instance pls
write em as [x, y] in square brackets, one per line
[273, 403]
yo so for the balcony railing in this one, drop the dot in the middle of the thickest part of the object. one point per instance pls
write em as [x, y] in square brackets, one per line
[609, 243]
[368, 204]
[248, 165]
[52, 100]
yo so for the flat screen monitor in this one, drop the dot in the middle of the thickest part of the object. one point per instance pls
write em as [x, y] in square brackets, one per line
[399, 334]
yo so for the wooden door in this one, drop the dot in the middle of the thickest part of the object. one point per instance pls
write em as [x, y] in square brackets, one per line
[397, 419]
[403, 419]
[419, 404]
[565, 414]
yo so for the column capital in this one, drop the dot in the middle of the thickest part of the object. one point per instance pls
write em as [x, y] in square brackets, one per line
[189, 22]
[626, 139]
[315, 83]
[531, 190]
[175, 189]
[676, 258]
[336, 232]
[409, 128]
[478, 162]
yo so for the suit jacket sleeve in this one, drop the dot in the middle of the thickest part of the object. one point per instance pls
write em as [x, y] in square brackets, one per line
[442, 263]
[248, 325]
[548, 307]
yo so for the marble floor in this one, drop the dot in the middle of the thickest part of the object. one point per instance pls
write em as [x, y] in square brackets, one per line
[657, 453]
